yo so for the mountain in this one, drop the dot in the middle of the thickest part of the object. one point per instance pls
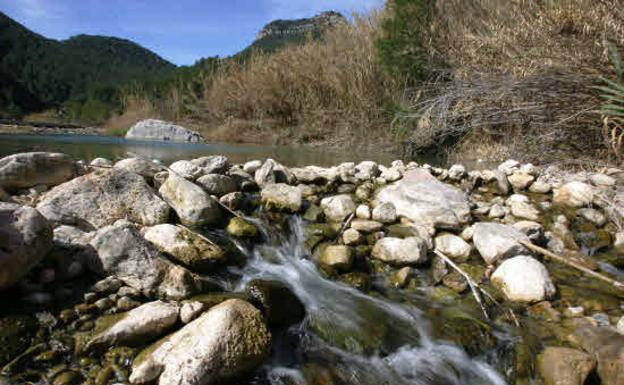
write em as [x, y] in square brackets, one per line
[37, 73]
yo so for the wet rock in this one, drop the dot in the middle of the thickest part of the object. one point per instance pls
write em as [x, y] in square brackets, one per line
[279, 305]
[154, 129]
[139, 166]
[455, 282]
[402, 277]
[223, 344]
[193, 205]
[574, 194]
[426, 201]
[524, 279]
[186, 247]
[125, 254]
[191, 310]
[16, 333]
[385, 213]
[146, 322]
[564, 366]
[453, 246]
[186, 169]
[618, 243]
[520, 180]
[338, 207]
[30, 169]
[608, 348]
[364, 212]
[105, 286]
[233, 200]
[338, 257]
[495, 241]
[396, 251]
[69, 377]
[219, 185]
[215, 164]
[366, 226]
[241, 228]
[126, 303]
[102, 197]
[313, 214]
[281, 197]
[352, 237]
[25, 239]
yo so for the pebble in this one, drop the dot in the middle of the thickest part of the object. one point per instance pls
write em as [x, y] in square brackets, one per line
[363, 212]
[574, 312]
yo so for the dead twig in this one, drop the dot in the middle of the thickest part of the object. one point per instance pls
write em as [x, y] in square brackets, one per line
[345, 226]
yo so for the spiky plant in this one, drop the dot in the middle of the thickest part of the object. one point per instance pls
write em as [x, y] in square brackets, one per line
[612, 109]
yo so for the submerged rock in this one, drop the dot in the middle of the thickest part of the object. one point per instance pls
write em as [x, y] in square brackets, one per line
[103, 197]
[30, 169]
[124, 253]
[223, 344]
[154, 129]
[427, 201]
[25, 238]
[400, 252]
[279, 305]
[192, 204]
[495, 241]
[524, 279]
[564, 366]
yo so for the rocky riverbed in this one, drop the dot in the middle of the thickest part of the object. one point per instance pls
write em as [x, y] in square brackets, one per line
[207, 272]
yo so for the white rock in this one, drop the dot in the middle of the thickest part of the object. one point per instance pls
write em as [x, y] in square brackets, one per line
[495, 241]
[338, 207]
[574, 194]
[101, 162]
[496, 211]
[524, 211]
[191, 310]
[390, 174]
[366, 170]
[509, 166]
[524, 279]
[620, 325]
[540, 187]
[351, 237]
[467, 233]
[593, 215]
[520, 180]
[366, 226]
[186, 169]
[219, 185]
[30, 169]
[457, 172]
[139, 166]
[338, 257]
[385, 213]
[533, 230]
[214, 164]
[363, 212]
[601, 180]
[252, 166]
[192, 204]
[453, 246]
[153, 129]
[281, 197]
[396, 251]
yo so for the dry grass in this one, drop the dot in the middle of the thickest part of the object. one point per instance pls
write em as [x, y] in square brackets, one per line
[329, 90]
[135, 109]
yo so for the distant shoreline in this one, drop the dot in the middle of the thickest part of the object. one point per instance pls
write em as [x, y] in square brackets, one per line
[47, 129]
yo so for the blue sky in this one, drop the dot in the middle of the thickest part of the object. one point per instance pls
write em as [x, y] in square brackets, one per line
[181, 31]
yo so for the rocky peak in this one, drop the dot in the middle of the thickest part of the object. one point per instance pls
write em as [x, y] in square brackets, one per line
[300, 26]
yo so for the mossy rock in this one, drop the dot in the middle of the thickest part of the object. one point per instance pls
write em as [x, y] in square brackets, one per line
[400, 231]
[443, 294]
[464, 329]
[81, 339]
[313, 214]
[356, 279]
[241, 228]
[213, 299]
[279, 305]
[16, 334]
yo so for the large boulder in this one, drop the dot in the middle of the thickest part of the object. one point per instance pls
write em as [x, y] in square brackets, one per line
[574, 194]
[524, 279]
[401, 252]
[495, 241]
[144, 323]
[25, 238]
[223, 344]
[153, 129]
[35, 168]
[338, 207]
[186, 247]
[565, 366]
[103, 197]
[281, 197]
[124, 253]
[426, 201]
[192, 204]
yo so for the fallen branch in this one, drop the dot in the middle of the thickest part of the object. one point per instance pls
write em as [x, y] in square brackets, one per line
[197, 234]
[344, 226]
[570, 263]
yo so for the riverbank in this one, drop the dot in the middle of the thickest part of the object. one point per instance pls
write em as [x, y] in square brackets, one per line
[48, 129]
[309, 274]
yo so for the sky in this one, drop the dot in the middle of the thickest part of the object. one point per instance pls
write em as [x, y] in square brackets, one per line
[181, 31]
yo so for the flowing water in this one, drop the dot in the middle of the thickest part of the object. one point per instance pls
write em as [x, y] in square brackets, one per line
[358, 338]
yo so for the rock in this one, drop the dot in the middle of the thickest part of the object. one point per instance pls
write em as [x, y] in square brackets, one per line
[390, 174]
[241, 228]
[281, 197]
[540, 187]
[126, 303]
[402, 276]
[252, 166]
[215, 164]
[277, 302]
[531, 229]
[219, 185]
[192, 204]
[139, 166]
[618, 244]
[496, 241]
[366, 170]
[396, 251]
[620, 325]
[191, 310]
[457, 172]
[366, 226]
[125, 254]
[524, 211]
[101, 162]
[607, 346]
[385, 213]
[564, 366]
[338, 257]
[426, 201]
[592, 215]
[223, 344]
[601, 180]
[496, 211]
[101, 198]
[186, 247]
[509, 166]
[364, 212]
[574, 194]
[153, 129]
[455, 282]
[139, 325]
[30, 169]
[453, 246]
[233, 200]
[186, 169]
[352, 237]
[523, 279]
[25, 239]
[107, 285]
[520, 180]
[338, 207]
[264, 175]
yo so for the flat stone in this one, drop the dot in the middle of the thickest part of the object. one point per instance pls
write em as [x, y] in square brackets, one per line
[401, 252]
[496, 241]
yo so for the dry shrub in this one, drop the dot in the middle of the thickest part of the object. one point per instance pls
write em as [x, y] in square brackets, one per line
[521, 73]
[328, 89]
[135, 109]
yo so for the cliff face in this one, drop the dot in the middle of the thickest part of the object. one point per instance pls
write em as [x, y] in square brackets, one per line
[301, 26]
